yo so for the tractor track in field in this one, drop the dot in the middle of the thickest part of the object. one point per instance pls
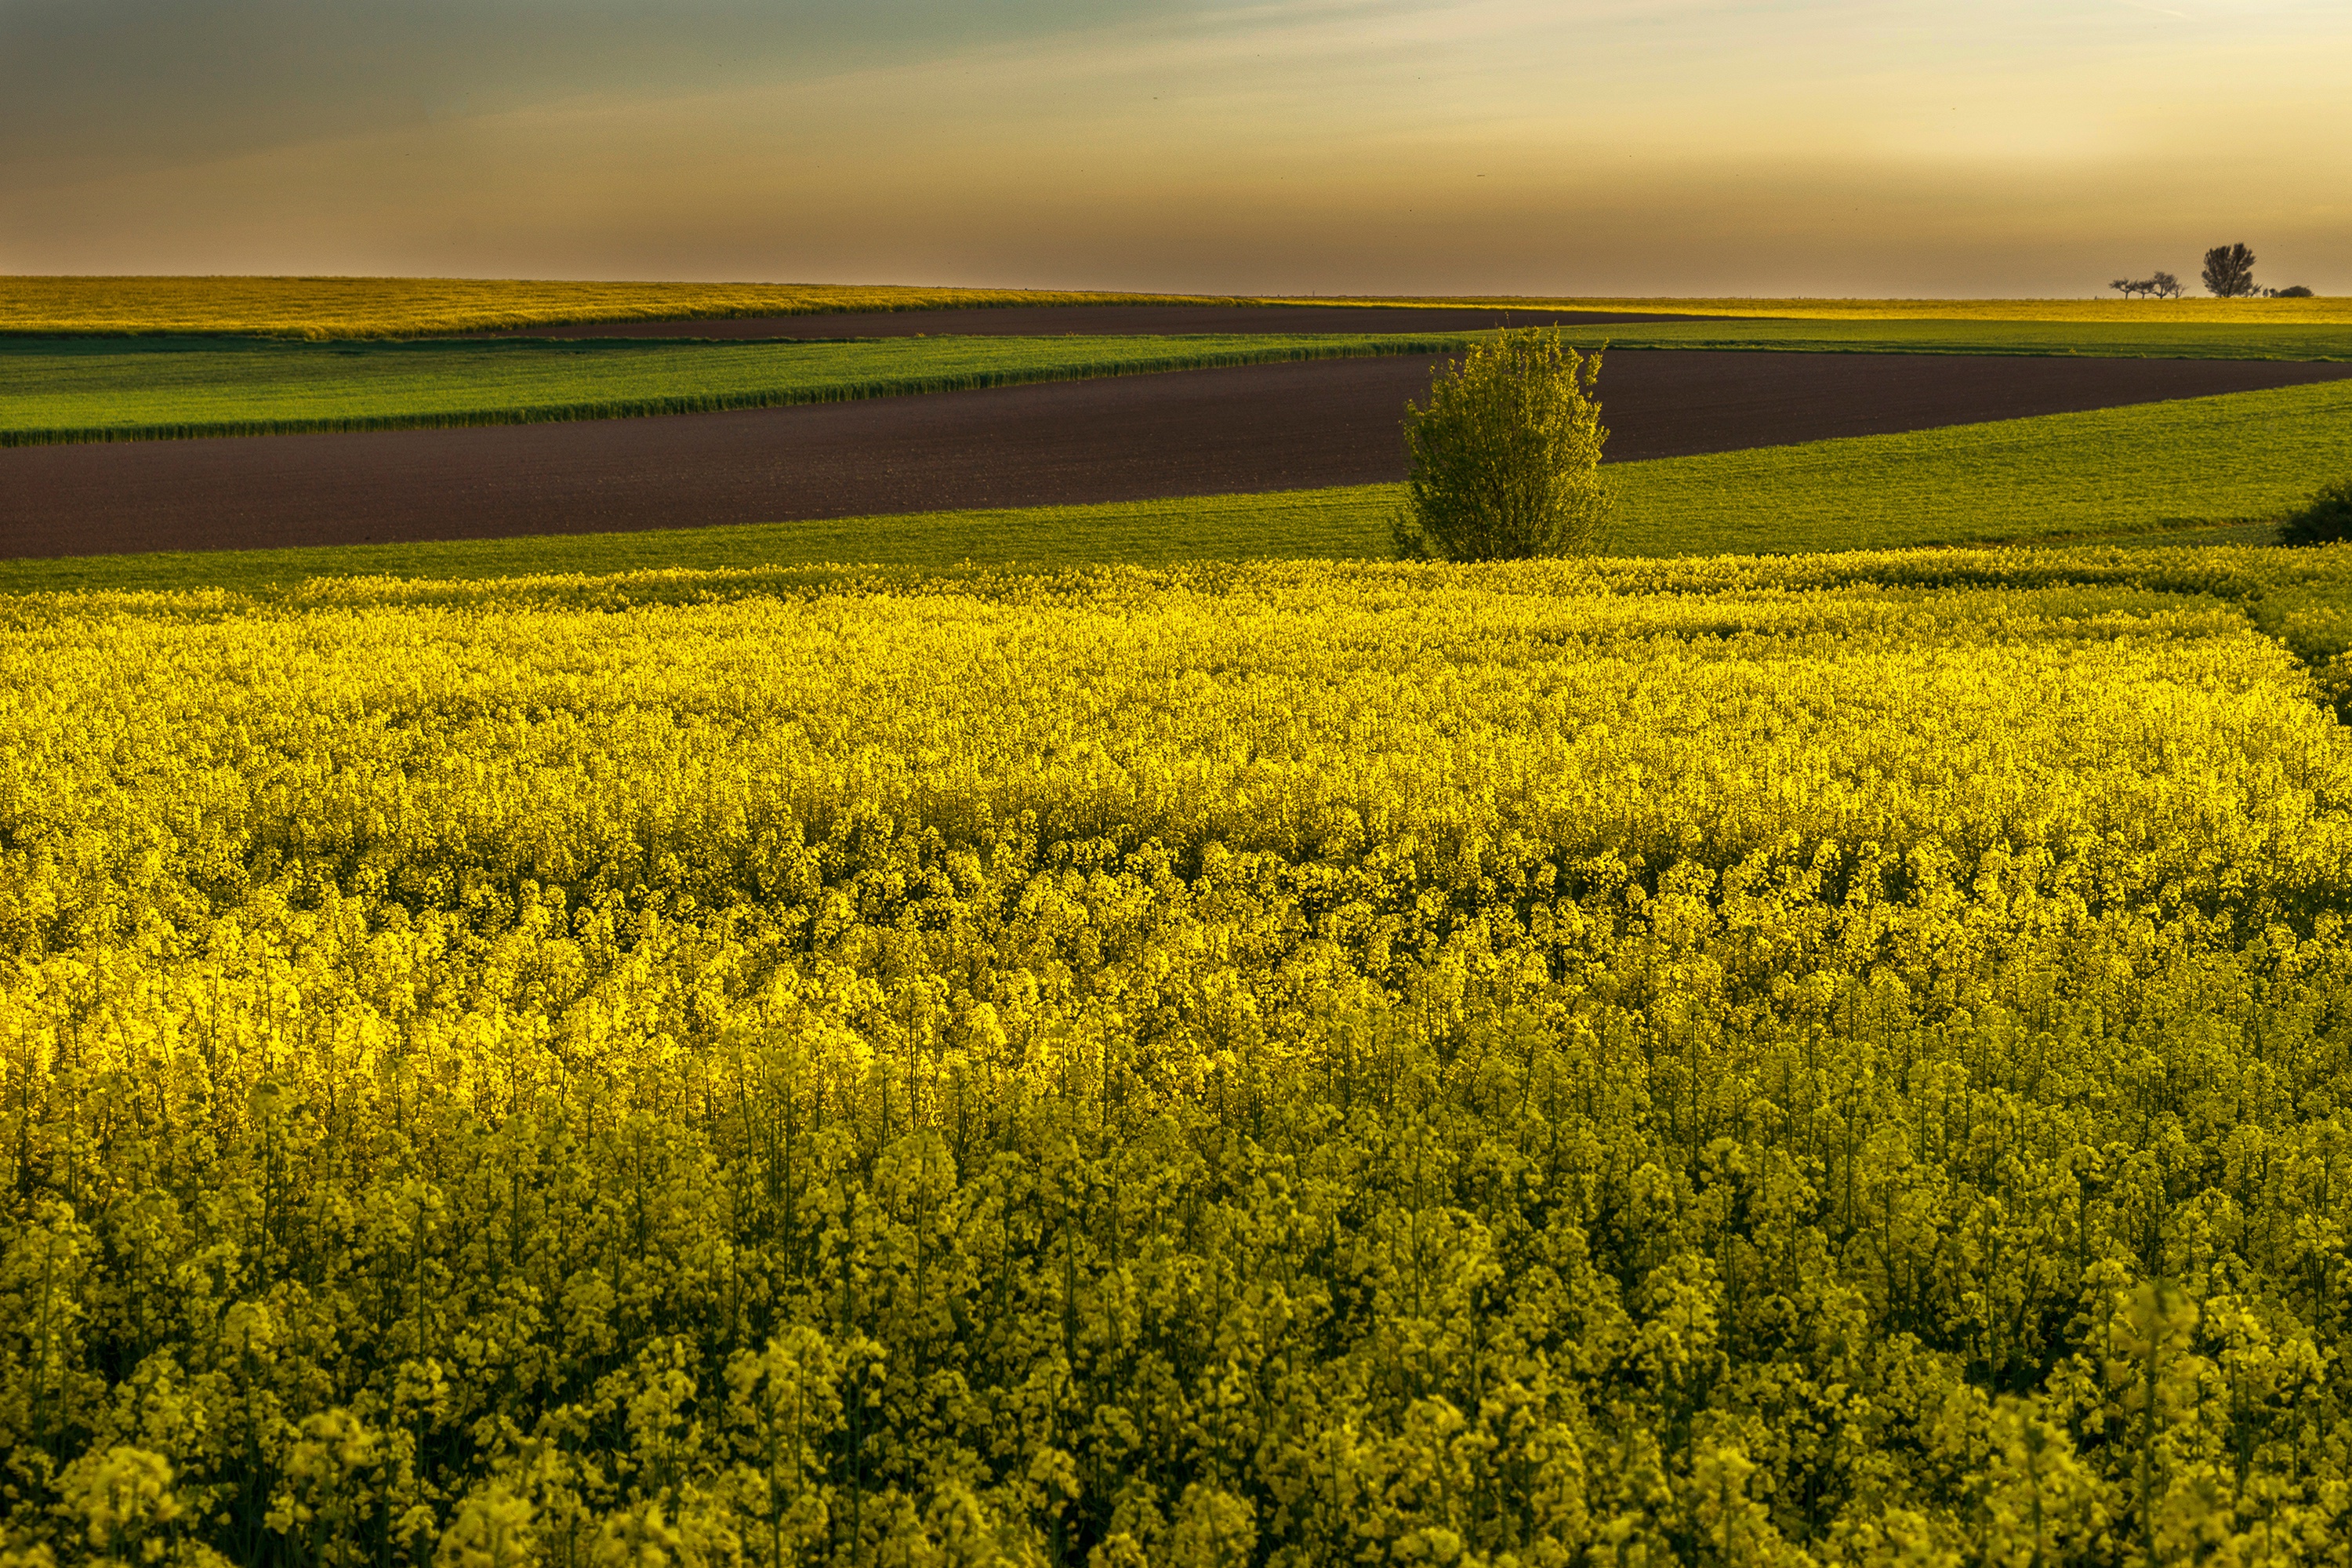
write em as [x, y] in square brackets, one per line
[1276, 426]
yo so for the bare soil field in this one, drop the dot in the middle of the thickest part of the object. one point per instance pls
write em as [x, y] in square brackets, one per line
[1123, 321]
[1205, 432]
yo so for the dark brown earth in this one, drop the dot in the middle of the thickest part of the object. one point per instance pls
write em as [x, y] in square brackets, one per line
[1200, 432]
[1100, 320]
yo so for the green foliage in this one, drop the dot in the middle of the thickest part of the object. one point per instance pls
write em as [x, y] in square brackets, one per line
[1827, 1060]
[2325, 520]
[1506, 455]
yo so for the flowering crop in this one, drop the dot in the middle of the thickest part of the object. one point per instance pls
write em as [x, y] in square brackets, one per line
[1835, 1060]
[326, 308]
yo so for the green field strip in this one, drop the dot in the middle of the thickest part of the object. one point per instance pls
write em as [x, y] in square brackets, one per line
[2193, 462]
[66, 390]
[1348, 523]
[60, 390]
[2209, 469]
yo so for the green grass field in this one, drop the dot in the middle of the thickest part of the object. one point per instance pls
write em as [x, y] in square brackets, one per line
[59, 389]
[79, 389]
[2249, 456]
[2212, 466]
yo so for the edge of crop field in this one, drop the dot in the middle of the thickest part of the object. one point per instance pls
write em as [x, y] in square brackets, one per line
[880, 301]
[709, 402]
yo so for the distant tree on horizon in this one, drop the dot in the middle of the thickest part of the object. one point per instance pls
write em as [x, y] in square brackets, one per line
[2155, 284]
[2230, 272]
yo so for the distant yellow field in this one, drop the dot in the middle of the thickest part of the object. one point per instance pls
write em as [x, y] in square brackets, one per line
[399, 307]
[402, 307]
[2282, 312]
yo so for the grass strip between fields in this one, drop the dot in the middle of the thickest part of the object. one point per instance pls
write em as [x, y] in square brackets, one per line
[2208, 469]
[61, 391]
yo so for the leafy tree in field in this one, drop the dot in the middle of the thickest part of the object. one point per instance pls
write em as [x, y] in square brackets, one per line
[2327, 519]
[2230, 272]
[2163, 286]
[1506, 455]
[2296, 292]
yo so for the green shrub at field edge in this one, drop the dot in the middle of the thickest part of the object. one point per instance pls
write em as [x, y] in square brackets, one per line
[2325, 520]
[1506, 455]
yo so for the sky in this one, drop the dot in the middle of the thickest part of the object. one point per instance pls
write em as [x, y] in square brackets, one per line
[1570, 147]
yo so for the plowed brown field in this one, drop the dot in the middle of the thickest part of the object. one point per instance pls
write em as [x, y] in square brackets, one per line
[1251, 428]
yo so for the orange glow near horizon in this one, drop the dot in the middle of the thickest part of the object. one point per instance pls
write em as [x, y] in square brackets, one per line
[1491, 146]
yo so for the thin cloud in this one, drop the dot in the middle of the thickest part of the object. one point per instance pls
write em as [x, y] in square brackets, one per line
[1324, 145]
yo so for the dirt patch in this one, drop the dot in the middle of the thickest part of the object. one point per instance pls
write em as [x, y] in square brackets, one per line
[1099, 320]
[1202, 432]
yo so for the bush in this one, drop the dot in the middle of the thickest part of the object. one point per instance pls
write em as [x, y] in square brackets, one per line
[2327, 519]
[1507, 456]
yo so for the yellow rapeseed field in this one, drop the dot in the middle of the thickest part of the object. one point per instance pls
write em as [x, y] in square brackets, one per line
[402, 307]
[324, 307]
[1829, 1060]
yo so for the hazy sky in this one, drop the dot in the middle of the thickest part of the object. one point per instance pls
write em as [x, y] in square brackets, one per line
[1569, 146]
